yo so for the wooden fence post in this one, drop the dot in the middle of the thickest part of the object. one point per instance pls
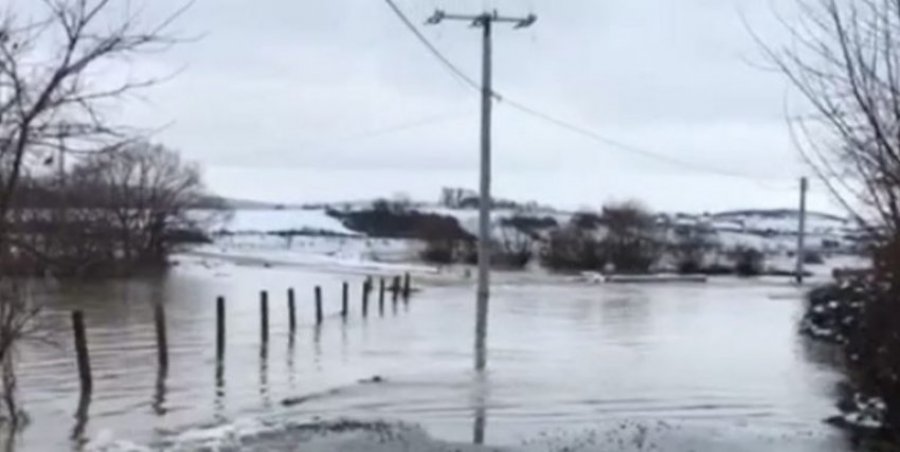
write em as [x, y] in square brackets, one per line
[365, 298]
[220, 329]
[292, 313]
[162, 346]
[264, 315]
[81, 352]
[381, 295]
[318, 305]
[395, 289]
[406, 287]
[345, 301]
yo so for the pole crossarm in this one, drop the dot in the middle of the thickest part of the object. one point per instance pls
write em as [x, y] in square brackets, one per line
[479, 20]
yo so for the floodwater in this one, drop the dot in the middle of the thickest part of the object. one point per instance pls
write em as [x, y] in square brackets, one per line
[715, 366]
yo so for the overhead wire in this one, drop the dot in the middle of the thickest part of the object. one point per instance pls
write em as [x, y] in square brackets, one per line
[387, 130]
[400, 127]
[460, 75]
[521, 107]
[618, 144]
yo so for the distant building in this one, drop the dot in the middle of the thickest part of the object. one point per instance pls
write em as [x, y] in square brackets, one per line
[456, 198]
[463, 198]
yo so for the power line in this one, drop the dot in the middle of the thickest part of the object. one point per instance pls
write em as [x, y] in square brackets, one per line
[335, 144]
[460, 75]
[401, 127]
[471, 83]
[620, 145]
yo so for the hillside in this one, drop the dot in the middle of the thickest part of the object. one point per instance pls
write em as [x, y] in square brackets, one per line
[771, 231]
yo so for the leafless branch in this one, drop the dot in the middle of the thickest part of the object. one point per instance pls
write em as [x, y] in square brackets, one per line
[845, 63]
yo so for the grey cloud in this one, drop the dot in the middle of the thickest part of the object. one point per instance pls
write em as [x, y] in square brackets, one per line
[286, 85]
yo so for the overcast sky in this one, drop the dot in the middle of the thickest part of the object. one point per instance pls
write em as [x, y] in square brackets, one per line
[296, 101]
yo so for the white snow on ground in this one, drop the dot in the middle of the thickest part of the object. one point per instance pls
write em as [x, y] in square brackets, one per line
[783, 221]
[766, 231]
[340, 254]
[772, 232]
[468, 218]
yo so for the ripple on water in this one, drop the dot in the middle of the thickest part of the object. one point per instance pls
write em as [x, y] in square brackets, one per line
[563, 358]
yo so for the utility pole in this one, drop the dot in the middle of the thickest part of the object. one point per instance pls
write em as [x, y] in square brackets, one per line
[801, 232]
[485, 21]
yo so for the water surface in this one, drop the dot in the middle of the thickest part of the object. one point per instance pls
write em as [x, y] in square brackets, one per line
[692, 366]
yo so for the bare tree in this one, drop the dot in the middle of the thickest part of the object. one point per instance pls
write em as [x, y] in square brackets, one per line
[632, 242]
[52, 98]
[572, 248]
[147, 192]
[55, 67]
[17, 323]
[513, 248]
[845, 62]
[690, 245]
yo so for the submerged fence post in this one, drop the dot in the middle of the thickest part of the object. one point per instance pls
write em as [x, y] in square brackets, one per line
[264, 315]
[220, 329]
[162, 345]
[345, 300]
[365, 298]
[292, 314]
[318, 305]
[381, 295]
[406, 287]
[395, 289]
[81, 352]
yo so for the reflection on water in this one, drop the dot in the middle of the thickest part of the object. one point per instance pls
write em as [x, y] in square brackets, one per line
[479, 388]
[562, 357]
[219, 400]
[292, 372]
[159, 396]
[264, 375]
[81, 415]
[317, 344]
[479, 424]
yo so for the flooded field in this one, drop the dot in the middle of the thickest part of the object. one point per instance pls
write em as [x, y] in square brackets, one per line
[715, 366]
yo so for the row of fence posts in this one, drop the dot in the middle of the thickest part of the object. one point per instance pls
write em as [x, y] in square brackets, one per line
[397, 289]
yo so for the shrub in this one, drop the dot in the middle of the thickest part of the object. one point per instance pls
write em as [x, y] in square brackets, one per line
[748, 261]
[503, 255]
[690, 246]
[439, 252]
[513, 249]
[632, 243]
[572, 249]
[813, 258]
[874, 348]
[861, 314]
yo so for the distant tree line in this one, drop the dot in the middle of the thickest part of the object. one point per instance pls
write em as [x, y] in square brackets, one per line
[112, 212]
[623, 238]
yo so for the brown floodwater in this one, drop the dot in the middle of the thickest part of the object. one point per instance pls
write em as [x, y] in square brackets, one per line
[679, 367]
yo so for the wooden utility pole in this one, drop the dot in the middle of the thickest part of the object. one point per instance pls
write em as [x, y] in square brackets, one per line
[801, 231]
[485, 21]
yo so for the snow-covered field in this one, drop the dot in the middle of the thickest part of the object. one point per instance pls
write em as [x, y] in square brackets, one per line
[351, 254]
[773, 232]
